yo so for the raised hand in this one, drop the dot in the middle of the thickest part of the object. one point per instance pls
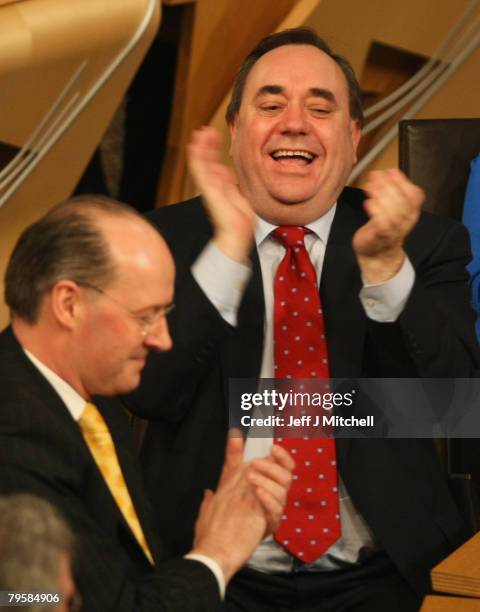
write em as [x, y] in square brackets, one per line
[230, 213]
[246, 506]
[393, 204]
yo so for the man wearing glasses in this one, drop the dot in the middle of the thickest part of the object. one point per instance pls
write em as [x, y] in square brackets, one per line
[88, 287]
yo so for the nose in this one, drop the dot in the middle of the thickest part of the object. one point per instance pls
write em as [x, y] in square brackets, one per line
[158, 338]
[294, 120]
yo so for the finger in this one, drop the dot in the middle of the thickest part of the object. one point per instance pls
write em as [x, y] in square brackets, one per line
[271, 507]
[404, 184]
[233, 454]
[271, 470]
[282, 457]
[395, 184]
[206, 141]
[203, 152]
[275, 490]
[206, 500]
[235, 447]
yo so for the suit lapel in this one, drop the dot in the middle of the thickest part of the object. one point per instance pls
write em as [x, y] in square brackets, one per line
[339, 289]
[69, 429]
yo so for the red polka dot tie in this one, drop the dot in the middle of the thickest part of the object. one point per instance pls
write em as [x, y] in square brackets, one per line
[311, 520]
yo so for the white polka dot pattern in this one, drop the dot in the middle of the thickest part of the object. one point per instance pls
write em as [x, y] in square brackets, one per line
[311, 524]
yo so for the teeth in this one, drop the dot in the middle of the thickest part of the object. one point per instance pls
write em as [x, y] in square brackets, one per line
[289, 153]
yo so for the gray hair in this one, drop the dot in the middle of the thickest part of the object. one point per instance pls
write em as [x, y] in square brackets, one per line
[33, 537]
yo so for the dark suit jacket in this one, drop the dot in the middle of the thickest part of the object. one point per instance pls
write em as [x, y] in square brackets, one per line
[43, 452]
[396, 484]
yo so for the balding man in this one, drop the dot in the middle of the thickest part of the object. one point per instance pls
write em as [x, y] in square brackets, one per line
[88, 286]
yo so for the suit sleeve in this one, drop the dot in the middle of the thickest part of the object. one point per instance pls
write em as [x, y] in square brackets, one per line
[110, 574]
[434, 335]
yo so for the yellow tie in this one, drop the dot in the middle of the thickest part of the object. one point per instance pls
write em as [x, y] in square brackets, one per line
[99, 441]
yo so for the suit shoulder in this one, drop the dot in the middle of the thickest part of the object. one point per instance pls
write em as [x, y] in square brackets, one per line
[434, 229]
[186, 212]
[185, 227]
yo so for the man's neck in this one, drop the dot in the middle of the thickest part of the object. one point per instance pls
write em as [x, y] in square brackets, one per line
[49, 349]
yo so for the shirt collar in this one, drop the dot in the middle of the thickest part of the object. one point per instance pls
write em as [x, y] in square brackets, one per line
[320, 227]
[72, 400]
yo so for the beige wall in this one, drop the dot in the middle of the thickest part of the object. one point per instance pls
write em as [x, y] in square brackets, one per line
[38, 55]
[418, 26]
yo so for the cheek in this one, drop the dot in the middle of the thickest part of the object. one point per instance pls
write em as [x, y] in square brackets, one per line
[108, 338]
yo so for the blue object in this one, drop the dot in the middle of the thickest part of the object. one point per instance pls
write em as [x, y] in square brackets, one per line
[471, 219]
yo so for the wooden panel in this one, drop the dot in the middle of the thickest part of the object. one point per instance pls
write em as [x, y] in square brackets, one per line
[433, 603]
[418, 26]
[216, 36]
[48, 39]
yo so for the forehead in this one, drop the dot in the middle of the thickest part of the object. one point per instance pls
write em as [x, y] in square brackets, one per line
[138, 252]
[297, 68]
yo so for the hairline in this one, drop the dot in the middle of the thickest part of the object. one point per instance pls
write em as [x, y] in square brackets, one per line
[91, 211]
[315, 41]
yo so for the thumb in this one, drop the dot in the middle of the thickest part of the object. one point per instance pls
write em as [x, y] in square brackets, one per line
[233, 453]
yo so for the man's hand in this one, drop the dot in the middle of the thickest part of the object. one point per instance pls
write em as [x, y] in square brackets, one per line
[246, 506]
[230, 213]
[393, 205]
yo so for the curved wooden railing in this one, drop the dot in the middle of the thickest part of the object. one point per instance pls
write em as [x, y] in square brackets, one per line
[64, 68]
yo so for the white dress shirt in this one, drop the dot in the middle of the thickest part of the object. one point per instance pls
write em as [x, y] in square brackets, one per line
[223, 282]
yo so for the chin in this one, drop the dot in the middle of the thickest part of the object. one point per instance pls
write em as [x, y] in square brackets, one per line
[124, 384]
[291, 213]
[291, 197]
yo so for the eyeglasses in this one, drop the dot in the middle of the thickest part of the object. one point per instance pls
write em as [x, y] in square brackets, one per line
[145, 322]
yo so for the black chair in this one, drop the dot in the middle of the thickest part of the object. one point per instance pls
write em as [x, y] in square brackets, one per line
[436, 154]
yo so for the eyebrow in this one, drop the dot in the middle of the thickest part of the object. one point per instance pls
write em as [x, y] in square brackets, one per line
[317, 92]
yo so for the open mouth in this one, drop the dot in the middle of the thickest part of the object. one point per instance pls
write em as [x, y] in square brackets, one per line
[302, 157]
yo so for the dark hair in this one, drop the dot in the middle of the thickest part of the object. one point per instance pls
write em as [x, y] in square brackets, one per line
[66, 243]
[294, 36]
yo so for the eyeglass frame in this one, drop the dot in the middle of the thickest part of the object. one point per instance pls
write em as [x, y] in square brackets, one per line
[145, 322]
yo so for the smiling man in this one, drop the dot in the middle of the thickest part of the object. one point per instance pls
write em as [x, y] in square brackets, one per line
[293, 137]
[339, 282]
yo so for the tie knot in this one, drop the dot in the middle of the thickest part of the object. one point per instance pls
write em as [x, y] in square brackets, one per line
[91, 421]
[290, 236]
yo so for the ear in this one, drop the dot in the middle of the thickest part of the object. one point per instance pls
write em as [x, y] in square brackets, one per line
[67, 303]
[355, 133]
[233, 133]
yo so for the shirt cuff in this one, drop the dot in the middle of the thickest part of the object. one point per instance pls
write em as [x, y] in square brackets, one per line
[213, 567]
[222, 279]
[384, 302]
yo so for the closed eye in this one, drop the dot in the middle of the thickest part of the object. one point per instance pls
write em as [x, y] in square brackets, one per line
[320, 110]
[270, 108]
